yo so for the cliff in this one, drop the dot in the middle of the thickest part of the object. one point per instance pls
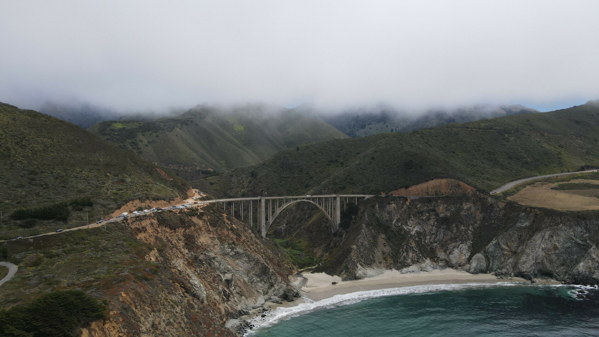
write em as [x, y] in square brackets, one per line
[163, 274]
[473, 232]
[212, 269]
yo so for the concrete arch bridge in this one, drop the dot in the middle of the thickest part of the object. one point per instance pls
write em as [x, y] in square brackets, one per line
[262, 211]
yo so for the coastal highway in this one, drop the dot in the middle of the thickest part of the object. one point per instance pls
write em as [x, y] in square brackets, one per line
[520, 181]
[94, 225]
[12, 270]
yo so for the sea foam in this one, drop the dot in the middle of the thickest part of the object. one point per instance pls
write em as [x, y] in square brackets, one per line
[283, 313]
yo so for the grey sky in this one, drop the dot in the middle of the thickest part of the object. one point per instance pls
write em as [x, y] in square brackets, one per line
[154, 55]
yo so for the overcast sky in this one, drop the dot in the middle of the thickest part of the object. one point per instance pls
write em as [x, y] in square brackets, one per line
[156, 55]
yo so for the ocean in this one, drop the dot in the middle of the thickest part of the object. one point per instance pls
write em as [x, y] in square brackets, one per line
[442, 310]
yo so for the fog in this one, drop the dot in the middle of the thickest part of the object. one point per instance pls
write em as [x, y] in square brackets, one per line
[155, 56]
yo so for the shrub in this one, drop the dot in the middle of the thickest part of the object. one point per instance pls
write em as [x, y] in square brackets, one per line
[60, 313]
[58, 211]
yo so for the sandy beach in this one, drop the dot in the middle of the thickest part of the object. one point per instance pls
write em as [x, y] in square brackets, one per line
[318, 288]
[320, 285]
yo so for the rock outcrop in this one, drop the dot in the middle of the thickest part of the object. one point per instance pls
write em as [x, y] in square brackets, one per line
[209, 269]
[478, 264]
[472, 232]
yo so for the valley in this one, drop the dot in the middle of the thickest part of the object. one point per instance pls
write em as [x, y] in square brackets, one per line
[207, 141]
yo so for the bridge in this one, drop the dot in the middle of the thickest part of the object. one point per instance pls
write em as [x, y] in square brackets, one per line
[264, 210]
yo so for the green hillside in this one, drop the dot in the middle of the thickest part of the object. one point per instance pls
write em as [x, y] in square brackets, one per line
[379, 119]
[484, 154]
[54, 174]
[205, 140]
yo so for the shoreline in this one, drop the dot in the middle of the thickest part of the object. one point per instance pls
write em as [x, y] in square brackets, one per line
[319, 287]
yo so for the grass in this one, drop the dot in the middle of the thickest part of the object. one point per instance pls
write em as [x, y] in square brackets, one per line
[207, 140]
[515, 190]
[298, 252]
[576, 186]
[3, 272]
[56, 174]
[484, 154]
[60, 313]
[85, 259]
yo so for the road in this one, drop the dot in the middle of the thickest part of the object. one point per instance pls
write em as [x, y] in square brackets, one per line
[94, 225]
[520, 181]
[12, 270]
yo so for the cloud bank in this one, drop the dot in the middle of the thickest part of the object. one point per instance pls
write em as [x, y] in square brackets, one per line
[154, 55]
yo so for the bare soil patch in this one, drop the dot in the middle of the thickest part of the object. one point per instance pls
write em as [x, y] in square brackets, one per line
[133, 205]
[435, 188]
[541, 194]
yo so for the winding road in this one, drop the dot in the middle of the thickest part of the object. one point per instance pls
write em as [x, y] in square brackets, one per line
[12, 270]
[520, 181]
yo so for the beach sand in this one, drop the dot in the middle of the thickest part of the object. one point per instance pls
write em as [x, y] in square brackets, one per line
[320, 285]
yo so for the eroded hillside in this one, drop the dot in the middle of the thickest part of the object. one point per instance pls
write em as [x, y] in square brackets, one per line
[166, 274]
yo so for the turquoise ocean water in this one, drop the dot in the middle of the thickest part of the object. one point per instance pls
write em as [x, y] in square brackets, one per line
[443, 310]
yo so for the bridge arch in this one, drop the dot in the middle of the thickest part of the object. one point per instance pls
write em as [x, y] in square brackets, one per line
[283, 207]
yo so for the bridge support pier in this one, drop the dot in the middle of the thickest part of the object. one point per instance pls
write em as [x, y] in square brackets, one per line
[337, 217]
[263, 217]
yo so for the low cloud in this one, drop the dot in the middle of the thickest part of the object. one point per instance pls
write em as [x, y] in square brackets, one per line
[153, 56]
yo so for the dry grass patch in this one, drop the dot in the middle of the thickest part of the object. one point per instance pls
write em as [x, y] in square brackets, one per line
[543, 194]
[3, 272]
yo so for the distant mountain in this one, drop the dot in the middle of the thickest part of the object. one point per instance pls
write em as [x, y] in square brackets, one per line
[47, 162]
[380, 119]
[87, 115]
[207, 140]
[84, 115]
[483, 154]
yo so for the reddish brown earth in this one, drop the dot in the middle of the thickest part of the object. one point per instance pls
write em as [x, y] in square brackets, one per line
[134, 204]
[435, 188]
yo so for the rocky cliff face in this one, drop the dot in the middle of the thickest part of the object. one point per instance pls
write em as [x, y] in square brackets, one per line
[208, 269]
[473, 232]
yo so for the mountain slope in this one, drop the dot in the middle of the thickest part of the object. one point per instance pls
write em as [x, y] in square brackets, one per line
[483, 154]
[206, 139]
[372, 121]
[45, 161]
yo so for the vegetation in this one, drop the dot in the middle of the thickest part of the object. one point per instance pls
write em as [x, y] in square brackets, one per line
[59, 313]
[515, 190]
[59, 211]
[205, 140]
[298, 252]
[96, 259]
[576, 186]
[484, 154]
[368, 122]
[3, 271]
[55, 172]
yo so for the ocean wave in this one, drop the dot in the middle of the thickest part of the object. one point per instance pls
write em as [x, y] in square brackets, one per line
[283, 313]
[579, 292]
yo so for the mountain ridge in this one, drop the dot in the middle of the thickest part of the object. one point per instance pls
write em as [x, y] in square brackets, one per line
[207, 140]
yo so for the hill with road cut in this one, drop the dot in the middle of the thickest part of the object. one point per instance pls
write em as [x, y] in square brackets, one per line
[56, 174]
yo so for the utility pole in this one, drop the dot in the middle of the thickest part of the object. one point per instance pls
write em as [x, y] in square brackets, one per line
[87, 217]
